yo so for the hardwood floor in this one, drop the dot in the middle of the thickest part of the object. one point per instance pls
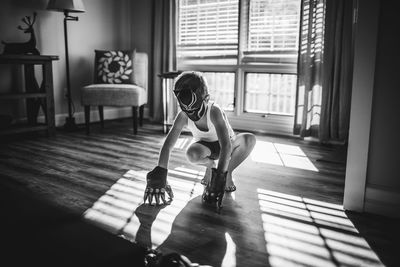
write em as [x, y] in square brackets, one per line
[286, 211]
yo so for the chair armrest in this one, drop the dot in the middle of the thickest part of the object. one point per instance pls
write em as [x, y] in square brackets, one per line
[140, 70]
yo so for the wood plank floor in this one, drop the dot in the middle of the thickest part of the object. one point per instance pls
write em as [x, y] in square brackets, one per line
[287, 210]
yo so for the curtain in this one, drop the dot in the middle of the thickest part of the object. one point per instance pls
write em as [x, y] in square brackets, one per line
[309, 77]
[324, 70]
[338, 69]
[164, 51]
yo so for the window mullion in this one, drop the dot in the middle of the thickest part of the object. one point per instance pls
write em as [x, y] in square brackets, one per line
[242, 44]
[243, 28]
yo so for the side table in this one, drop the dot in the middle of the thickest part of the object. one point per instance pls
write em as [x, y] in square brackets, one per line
[36, 96]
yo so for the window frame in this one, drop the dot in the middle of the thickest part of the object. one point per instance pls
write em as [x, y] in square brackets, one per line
[241, 120]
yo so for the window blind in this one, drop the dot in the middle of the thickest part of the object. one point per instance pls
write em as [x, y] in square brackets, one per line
[207, 29]
[272, 31]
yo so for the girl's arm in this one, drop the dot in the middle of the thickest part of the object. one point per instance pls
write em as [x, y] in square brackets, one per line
[169, 143]
[218, 120]
[156, 179]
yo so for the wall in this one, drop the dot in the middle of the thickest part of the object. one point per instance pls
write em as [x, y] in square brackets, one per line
[142, 32]
[365, 43]
[372, 178]
[142, 24]
[383, 178]
[103, 26]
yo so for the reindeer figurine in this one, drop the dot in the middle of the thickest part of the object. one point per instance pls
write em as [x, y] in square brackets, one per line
[28, 47]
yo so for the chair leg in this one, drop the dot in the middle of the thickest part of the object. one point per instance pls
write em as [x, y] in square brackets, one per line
[87, 118]
[101, 114]
[135, 119]
[141, 110]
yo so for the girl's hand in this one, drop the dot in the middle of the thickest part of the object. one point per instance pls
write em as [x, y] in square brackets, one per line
[157, 187]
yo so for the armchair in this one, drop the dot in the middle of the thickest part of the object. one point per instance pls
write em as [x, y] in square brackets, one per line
[109, 89]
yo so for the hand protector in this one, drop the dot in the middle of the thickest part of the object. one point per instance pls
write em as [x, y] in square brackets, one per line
[214, 191]
[157, 186]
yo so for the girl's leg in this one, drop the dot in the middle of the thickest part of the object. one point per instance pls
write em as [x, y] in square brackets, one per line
[200, 155]
[242, 146]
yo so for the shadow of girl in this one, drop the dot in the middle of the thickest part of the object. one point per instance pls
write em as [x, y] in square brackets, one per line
[198, 232]
[146, 215]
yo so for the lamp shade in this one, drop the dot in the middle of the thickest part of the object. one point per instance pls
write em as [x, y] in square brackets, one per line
[66, 5]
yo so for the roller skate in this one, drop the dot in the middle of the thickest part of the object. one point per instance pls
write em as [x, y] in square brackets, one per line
[214, 191]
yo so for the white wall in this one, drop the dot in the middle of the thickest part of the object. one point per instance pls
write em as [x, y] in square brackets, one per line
[361, 104]
[383, 177]
[372, 177]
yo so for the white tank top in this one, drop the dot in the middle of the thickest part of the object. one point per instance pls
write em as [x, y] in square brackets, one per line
[211, 134]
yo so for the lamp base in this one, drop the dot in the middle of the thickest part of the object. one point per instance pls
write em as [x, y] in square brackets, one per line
[70, 124]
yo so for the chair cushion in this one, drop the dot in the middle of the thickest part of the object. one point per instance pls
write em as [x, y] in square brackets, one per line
[114, 66]
[113, 95]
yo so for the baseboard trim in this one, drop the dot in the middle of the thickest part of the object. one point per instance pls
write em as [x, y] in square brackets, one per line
[382, 201]
[110, 113]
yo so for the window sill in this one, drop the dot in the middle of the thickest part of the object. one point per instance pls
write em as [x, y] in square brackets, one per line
[271, 124]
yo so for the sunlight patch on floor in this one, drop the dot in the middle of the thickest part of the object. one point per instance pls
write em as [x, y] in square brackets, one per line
[282, 155]
[305, 232]
[229, 259]
[120, 210]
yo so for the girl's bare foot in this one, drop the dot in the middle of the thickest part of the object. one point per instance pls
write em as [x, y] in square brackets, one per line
[229, 186]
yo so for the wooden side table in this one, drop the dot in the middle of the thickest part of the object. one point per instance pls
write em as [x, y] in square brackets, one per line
[167, 83]
[36, 96]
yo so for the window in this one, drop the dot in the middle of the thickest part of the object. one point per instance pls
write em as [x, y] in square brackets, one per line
[248, 51]
[270, 93]
[221, 88]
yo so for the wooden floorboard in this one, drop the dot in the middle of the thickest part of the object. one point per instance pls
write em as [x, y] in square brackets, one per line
[282, 213]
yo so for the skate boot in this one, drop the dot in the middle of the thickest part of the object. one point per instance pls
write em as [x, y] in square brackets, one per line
[214, 190]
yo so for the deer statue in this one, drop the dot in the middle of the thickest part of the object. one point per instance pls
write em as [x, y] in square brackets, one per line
[28, 47]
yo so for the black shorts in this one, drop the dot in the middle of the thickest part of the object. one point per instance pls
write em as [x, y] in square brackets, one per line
[214, 147]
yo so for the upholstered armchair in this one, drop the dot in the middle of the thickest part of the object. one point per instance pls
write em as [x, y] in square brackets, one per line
[121, 79]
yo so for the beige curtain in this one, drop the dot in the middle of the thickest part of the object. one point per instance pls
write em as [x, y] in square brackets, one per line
[324, 70]
[164, 51]
[338, 69]
[309, 83]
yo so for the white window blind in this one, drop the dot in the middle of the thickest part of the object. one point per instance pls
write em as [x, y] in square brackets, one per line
[272, 31]
[208, 29]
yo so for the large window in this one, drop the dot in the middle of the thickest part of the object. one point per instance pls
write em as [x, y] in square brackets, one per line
[247, 49]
